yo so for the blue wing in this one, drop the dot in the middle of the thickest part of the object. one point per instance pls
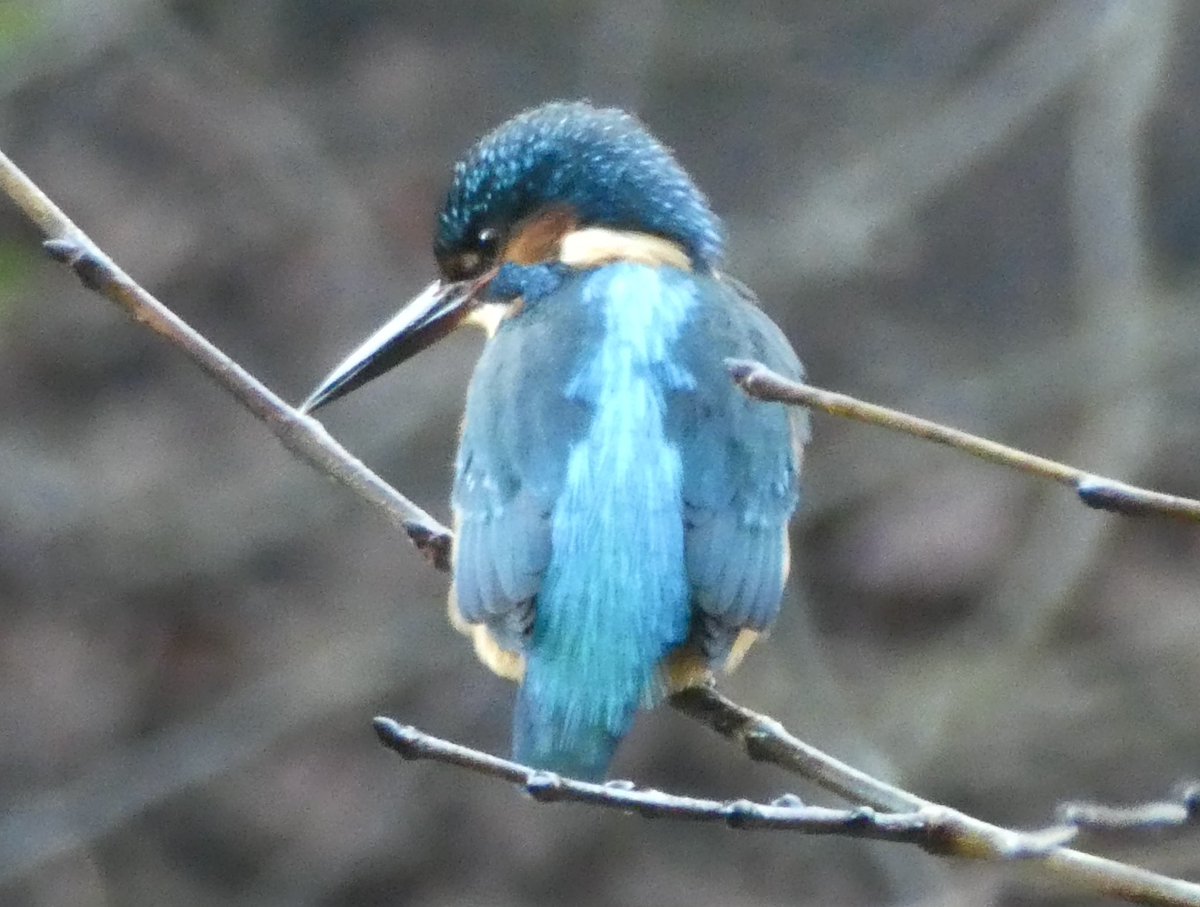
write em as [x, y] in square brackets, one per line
[516, 441]
[741, 466]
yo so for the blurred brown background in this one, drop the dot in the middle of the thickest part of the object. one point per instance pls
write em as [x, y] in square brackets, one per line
[985, 212]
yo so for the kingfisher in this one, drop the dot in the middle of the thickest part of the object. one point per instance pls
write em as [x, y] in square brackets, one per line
[620, 506]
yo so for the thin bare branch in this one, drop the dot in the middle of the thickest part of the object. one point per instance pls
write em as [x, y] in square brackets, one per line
[765, 740]
[302, 435]
[1095, 491]
[1175, 814]
[927, 828]
[936, 829]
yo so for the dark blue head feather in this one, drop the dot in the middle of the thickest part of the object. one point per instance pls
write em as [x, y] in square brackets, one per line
[600, 163]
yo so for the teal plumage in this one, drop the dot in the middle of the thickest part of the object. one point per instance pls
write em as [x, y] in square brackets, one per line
[627, 505]
[621, 506]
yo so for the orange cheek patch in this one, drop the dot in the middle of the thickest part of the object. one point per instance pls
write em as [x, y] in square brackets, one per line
[537, 238]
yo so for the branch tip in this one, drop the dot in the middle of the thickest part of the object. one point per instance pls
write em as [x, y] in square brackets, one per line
[402, 739]
[433, 542]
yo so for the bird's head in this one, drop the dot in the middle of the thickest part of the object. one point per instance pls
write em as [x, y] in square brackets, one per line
[563, 183]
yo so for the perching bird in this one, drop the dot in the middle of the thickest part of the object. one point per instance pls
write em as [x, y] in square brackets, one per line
[621, 506]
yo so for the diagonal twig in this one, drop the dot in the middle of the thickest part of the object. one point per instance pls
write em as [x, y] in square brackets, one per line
[1177, 813]
[302, 435]
[1093, 490]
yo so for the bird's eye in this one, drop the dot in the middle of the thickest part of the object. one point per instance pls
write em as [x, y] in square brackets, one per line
[470, 259]
[489, 242]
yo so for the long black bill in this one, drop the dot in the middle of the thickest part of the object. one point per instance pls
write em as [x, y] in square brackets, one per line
[429, 317]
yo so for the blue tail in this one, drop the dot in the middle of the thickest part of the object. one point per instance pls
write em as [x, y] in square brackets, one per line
[548, 737]
[615, 599]
[613, 604]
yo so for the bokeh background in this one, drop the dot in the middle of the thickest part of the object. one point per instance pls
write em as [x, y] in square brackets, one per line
[985, 212]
